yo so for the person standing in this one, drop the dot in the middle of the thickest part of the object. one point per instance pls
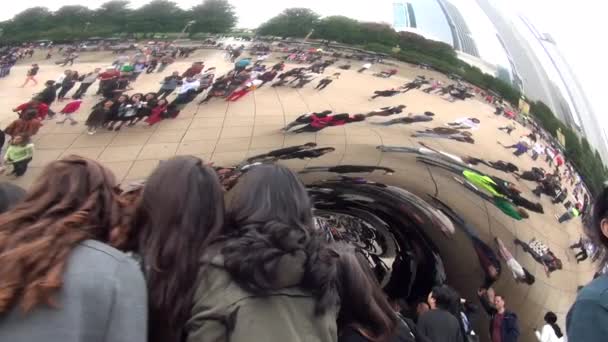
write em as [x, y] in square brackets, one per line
[504, 326]
[69, 111]
[164, 62]
[587, 319]
[19, 154]
[48, 94]
[104, 77]
[31, 75]
[440, 324]
[59, 277]
[98, 116]
[67, 84]
[551, 332]
[28, 124]
[86, 82]
[169, 84]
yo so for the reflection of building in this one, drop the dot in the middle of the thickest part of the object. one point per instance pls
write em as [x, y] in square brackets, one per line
[463, 40]
[437, 20]
[403, 15]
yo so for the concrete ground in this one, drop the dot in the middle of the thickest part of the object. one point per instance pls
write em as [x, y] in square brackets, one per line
[227, 132]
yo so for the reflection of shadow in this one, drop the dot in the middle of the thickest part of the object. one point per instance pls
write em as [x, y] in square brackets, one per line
[348, 169]
[228, 176]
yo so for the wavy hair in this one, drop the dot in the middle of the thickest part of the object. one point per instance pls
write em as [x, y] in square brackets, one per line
[270, 219]
[73, 200]
[180, 211]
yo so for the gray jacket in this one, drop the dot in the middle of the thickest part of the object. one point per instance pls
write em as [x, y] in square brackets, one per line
[103, 299]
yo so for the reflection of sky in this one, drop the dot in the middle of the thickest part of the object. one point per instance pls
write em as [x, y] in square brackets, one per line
[431, 21]
[483, 32]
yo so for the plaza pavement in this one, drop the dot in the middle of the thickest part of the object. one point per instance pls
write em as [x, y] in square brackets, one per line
[225, 133]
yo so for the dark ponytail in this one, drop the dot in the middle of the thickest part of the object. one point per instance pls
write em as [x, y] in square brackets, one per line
[551, 319]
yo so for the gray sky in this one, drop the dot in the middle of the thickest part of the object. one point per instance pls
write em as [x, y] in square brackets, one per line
[571, 24]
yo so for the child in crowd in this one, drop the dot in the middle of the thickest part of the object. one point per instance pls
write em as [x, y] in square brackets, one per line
[69, 110]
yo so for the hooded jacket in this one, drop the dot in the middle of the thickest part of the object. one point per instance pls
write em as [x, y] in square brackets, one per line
[224, 311]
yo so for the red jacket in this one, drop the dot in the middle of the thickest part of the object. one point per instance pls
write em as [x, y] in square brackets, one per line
[71, 107]
[42, 109]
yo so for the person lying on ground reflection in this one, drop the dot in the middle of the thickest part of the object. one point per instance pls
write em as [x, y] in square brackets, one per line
[542, 254]
[409, 119]
[520, 273]
[348, 169]
[320, 123]
[386, 111]
[306, 119]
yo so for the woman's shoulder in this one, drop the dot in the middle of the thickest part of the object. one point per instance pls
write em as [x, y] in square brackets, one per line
[596, 291]
[102, 259]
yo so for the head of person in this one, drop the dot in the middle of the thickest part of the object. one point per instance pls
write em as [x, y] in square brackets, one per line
[367, 306]
[72, 201]
[311, 144]
[122, 98]
[96, 70]
[49, 83]
[136, 97]
[326, 150]
[445, 298]
[528, 277]
[68, 72]
[34, 65]
[272, 242]
[429, 113]
[161, 103]
[475, 120]
[499, 302]
[29, 114]
[326, 112]
[179, 213]
[150, 96]
[20, 139]
[401, 106]
[551, 319]
[108, 104]
[357, 117]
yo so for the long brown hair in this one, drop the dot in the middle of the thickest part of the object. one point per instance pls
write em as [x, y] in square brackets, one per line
[364, 306]
[181, 210]
[73, 200]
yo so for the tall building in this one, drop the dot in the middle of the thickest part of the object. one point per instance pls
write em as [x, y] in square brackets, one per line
[463, 40]
[437, 20]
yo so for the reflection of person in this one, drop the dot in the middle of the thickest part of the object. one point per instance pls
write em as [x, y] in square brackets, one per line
[305, 119]
[542, 254]
[519, 272]
[385, 93]
[551, 332]
[386, 111]
[488, 260]
[582, 254]
[348, 169]
[411, 118]
[504, 326]
[587, 319]
[439, 324]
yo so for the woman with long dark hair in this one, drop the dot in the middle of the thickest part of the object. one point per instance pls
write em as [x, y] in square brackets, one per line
[180, 211]
[551, 331]
[365, 313]
[273, 277]
[60, 280]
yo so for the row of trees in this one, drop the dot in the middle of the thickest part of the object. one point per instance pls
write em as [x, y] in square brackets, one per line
[413, 48]
[406, 46]
[578, 150]
[116, 16]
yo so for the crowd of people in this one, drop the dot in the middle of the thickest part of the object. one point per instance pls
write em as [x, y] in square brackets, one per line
[156, 268]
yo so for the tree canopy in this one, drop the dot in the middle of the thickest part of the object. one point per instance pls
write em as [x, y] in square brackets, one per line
[292, 22]
[117, 17]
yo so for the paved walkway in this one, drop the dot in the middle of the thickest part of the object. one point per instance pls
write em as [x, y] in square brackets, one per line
[225, 133]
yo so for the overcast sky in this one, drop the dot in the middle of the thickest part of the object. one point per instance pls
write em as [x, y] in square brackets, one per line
[574, 25]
